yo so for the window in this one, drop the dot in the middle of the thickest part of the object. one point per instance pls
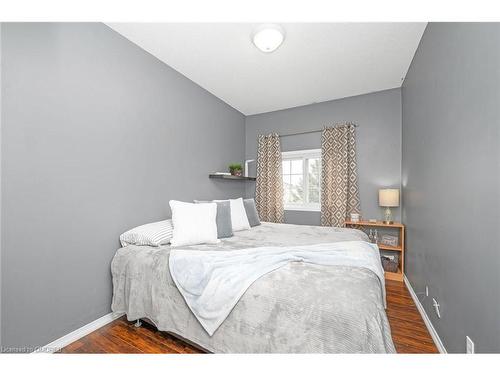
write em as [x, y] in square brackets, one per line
[301, 180]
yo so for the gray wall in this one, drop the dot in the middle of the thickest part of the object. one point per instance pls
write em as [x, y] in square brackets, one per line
[97, 135]
[451, 154]
[0, 187]
[378, 142]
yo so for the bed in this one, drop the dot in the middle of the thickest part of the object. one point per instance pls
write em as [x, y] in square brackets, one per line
[298, 308]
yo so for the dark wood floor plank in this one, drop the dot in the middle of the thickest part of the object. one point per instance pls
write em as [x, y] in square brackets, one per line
[124, 345]
[106, 342]
[144, 339]
[409, 332]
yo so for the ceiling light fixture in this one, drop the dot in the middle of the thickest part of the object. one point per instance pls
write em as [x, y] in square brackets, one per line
[268, 38]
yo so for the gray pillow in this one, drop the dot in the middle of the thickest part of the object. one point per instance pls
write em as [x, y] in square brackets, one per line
[251, 210]
[223, 219]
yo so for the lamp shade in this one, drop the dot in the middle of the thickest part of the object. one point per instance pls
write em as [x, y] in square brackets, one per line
[388, 197]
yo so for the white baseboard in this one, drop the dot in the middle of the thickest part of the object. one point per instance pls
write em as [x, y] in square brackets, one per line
[427, 321]
[77, 334]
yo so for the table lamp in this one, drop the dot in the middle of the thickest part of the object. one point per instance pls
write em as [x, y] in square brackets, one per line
[388, 198]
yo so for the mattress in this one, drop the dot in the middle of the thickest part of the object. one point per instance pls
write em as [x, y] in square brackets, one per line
[299, 308]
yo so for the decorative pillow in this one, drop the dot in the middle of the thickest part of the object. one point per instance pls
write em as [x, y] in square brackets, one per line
[239, 220]
[153, 234]
[251, 210]
[223, 218]
[193, 223]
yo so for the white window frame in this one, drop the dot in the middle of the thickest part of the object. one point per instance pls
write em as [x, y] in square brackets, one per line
[304, 155]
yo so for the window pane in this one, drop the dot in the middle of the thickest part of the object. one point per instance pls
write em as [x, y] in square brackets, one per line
[286, 187]
[314, 173]
[296, 180]
[296, 189]
[286, 194]
[301, 179]
[314, 176]
[297, 166]
[286, 166]
[295, 196]
[313, 195]
[314, 170]
[286, 182]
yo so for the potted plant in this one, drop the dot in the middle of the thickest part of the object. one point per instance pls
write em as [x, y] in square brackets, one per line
[236, 169]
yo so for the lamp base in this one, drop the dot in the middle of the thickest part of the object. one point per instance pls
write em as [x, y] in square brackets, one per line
[388, 216]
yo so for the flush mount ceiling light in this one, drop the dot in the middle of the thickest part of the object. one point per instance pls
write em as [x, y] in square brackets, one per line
[268, 38]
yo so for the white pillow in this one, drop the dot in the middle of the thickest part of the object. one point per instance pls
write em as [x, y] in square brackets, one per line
[239, 219]
[153, 234]
[193, 223]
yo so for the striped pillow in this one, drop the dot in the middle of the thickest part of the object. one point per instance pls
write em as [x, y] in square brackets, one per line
[153, 234]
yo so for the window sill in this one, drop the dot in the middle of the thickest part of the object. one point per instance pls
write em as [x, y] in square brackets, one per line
[310, 209]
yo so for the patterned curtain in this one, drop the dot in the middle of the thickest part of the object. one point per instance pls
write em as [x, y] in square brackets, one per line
[339, 176]
[269, 186]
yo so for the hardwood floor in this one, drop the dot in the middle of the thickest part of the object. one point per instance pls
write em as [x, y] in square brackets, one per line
[409, 332]
[121, 336]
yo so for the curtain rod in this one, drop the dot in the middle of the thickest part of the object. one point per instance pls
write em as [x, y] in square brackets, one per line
[308, 132]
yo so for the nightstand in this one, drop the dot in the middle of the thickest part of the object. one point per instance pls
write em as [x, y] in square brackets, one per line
[397, 276]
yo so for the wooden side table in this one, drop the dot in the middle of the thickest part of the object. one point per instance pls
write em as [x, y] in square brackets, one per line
[397, 276]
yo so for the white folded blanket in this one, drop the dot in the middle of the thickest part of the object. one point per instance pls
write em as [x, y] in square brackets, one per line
[212, 282]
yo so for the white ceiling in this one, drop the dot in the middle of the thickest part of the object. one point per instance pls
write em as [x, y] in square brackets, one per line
[315, 63]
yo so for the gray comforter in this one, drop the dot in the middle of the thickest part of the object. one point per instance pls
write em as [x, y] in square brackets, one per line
[298, 308]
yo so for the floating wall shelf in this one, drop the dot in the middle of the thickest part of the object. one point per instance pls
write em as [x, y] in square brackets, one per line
[231, 177]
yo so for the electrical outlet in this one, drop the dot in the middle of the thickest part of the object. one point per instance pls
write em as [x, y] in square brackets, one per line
[470, 345]
[426, 291]
[436, 307]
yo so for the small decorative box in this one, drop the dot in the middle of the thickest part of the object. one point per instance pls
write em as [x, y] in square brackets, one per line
[389, 240]
[355, 218]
